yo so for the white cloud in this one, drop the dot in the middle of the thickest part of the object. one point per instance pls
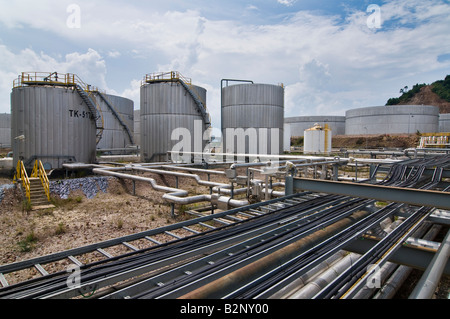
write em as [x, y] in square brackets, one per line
[114, 54]
[327, 63]
[287, 2]
[89, 66]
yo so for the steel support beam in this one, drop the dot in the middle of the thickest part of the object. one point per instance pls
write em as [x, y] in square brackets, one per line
[410, 196]
[407, 255]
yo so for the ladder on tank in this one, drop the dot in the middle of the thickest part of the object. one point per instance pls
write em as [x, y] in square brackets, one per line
[117, 116]
[200, 105]
[175, 76]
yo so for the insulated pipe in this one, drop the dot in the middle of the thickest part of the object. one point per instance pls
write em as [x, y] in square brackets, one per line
[312, 288]
[385, 272]
[268, 163]
[227, 283]
[200, 170]
[303, 280]
[193, 176]
[428, 283]
[396, 280]
[112, 172]
[175, 196]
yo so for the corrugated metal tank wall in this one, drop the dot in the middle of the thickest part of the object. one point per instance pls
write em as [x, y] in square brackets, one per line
[166, 106]
[395, 119]
[137, 127]
[114, 135]
[444, 122]
[254, 106]
[299, 124]
[53, 124]
[5, 130]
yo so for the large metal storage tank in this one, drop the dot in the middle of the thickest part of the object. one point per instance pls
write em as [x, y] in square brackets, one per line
[5, 130]
[253, 118]
[394, 119]
[299, 124]
[444, 122]
[118, 121]
[137, 127]
[168, 107]
[51, 123]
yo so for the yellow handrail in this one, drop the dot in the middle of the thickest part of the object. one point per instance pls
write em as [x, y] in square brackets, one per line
[51, 78]
[39, 172]
[21, 175]
[167, 76]
[171, 76]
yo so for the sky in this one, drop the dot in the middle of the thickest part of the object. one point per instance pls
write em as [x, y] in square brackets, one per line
[331, 56]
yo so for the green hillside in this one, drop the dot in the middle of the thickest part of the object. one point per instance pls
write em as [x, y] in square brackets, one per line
[441, 88]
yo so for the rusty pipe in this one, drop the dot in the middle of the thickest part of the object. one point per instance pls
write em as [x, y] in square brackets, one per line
[224, 285]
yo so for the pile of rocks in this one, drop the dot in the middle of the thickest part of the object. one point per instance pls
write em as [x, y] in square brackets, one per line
[89, 185]
[3, 188]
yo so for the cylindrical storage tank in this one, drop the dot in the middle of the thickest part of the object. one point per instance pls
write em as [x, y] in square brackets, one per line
[444, 123]
[117, 112]
[52, 124]
[393, 119]
[299, 124]
[253, 119]
[170, 120]
[5, 130]
[137, 127]
[317, 139]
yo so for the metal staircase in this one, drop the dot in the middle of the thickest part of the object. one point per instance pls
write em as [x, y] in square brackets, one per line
[200, 105]
[117, 116]
[36, 187]
[175, 76]
[95, 114]
[38, 196]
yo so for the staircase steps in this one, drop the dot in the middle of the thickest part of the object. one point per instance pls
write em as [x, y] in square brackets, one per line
[38, 198]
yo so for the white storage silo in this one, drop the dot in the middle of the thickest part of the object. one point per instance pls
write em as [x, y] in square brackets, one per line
[171, 107]
[253, 119]
[51, 121]
[317, 139]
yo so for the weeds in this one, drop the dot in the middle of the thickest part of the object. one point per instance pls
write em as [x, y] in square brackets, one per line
[26, 205]
[28, 243]
[60, 229]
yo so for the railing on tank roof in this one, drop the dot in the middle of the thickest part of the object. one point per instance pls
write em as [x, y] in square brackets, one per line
[167, 76]
[174, 76]
[51, 78]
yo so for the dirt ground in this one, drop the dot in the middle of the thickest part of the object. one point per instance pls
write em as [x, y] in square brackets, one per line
[78, 221]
